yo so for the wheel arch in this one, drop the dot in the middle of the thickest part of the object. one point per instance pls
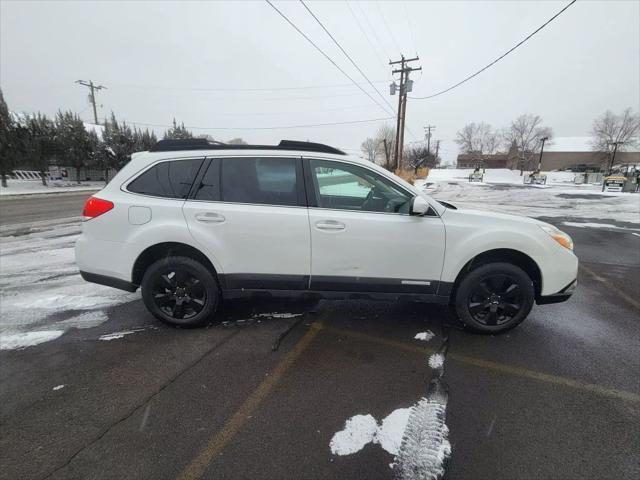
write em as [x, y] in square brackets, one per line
[507, 255]
[165, 250]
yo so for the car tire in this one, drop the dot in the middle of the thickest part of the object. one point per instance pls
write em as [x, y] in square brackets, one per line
[494, 297]
[180, 291]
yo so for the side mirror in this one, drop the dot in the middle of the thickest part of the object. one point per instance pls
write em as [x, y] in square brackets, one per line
[419, 206]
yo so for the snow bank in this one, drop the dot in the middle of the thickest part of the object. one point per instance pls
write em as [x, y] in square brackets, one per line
[40, 282]
[26, 187]
[11, 341]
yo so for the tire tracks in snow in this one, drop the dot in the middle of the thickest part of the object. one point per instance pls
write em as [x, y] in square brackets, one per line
[425, 447]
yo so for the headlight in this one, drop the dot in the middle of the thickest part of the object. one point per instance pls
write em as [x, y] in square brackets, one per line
[559, 236]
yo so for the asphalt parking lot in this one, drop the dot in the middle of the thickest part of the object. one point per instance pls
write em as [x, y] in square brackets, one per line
[558, 397]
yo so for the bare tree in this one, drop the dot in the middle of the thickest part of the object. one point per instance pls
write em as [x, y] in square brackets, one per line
[372, 149]
[526, 132]
[386, 137]
[610, 128]
[480, 138]
[418, 156]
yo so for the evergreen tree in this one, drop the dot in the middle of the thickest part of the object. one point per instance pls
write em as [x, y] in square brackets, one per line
[177, 132]
[143, 141]
[74, 144]
[119, 144]
[40, 143]
[8, 144]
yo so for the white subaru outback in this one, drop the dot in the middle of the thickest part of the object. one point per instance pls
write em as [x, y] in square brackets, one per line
[193, 222]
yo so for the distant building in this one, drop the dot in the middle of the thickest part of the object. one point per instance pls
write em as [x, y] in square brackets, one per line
[496, 160]
[561, 153]
[569, 153]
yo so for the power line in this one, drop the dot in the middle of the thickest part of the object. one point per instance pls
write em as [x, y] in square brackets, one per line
[375, 35]
[499, 58]
[373, 49]
[406, 14]
[325, 55]
[384, 20]
[267, 89]
[346, 54]
[370, 120]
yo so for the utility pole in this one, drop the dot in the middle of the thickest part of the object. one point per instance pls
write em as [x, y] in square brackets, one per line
[406, 86]
[543, 139]
[613, 157]
[92, 95]
[427, 135]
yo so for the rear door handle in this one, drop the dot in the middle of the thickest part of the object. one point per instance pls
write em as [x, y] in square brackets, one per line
[330, 225]
[209, 217]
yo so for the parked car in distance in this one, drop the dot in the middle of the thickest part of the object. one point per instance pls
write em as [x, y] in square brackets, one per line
[192, 223]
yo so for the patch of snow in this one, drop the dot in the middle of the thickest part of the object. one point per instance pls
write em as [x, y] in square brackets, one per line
[12, 340]
[88, 319]
[594, 225]
[361, 430]
[276, 315]
[59, 387]
[504, 192]
[39, 280]
[115, 335]
[32, 187]
[436, 361]
[392, 430]
[425, 336]
[358, 431]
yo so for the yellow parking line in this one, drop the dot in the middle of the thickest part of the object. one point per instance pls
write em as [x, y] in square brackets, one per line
[499, 367]
[199, 464]
[632, 301]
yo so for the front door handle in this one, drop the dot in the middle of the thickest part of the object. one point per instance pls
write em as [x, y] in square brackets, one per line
[209, 217]
[330, 225]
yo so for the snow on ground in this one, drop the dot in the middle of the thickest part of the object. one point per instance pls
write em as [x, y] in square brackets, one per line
[361, 430]
[41, 292]
[503, 191]
[30, 187]
[594, 225]
[425, 336]
[436, 361]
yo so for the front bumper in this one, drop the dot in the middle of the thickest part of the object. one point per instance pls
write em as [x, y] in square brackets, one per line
[562, 296]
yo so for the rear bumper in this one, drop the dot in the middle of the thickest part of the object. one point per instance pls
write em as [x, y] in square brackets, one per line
[562, 296]
[109, 281]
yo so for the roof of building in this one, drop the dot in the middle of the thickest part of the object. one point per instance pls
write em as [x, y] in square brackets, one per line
[569, 144]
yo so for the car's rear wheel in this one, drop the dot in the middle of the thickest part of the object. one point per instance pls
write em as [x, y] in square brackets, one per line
[180, 291]
[494, 297]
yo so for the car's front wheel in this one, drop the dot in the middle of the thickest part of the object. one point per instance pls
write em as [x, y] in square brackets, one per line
[494, 297]
[180, 291]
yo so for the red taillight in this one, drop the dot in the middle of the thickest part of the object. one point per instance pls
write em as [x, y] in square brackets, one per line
[96, 207]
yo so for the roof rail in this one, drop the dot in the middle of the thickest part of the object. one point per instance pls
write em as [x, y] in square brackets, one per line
[204, 144]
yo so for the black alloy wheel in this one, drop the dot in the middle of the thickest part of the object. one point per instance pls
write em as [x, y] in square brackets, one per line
[180, 291]
[496, 300]
[494, 297]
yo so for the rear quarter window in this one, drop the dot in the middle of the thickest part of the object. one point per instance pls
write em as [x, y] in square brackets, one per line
[172, 179]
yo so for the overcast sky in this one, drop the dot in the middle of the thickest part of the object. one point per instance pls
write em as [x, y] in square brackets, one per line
[165, 59]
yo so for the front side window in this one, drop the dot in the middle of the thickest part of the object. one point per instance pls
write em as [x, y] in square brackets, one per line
[171, 179]
[350, 187]
[268, 181]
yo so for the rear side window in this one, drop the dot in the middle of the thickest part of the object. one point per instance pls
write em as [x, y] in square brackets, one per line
[171, 179]
[269, 181]
[209, 187]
